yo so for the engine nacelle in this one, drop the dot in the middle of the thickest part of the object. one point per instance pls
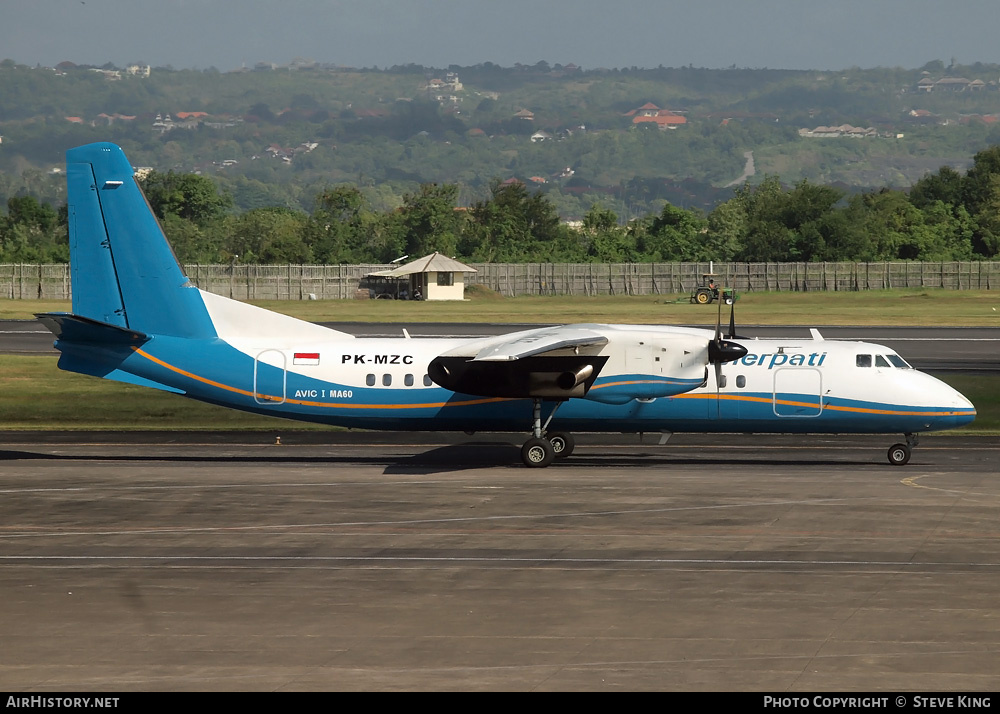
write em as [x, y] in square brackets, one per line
[548, 377]
[652, 366]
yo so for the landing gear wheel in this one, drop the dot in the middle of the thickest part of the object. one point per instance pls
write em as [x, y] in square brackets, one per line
[562, 443]
[537, 453]
[899, 454]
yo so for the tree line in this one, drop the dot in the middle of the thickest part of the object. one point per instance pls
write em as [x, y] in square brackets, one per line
[946, 215]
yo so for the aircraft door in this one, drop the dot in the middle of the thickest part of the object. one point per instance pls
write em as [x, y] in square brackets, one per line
[269, 377]
[798, 392]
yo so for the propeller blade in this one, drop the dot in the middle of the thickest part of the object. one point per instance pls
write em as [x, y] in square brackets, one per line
[720, 350]
[718, 322]
[732, 321]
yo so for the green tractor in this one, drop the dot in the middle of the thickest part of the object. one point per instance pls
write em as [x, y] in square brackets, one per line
[710, 291]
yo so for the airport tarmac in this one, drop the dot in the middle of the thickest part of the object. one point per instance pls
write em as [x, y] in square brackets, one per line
[419, 562]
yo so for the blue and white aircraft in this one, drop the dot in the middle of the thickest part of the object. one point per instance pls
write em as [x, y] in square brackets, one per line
[137, 319]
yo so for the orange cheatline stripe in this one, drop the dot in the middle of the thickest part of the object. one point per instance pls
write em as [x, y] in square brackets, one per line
[492, 400]
[831, 407]
[304, 402]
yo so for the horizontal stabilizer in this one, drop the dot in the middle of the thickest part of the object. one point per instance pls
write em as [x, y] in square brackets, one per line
[74, 328]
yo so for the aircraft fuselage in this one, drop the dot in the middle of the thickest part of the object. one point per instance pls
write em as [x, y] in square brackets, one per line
[786, 385]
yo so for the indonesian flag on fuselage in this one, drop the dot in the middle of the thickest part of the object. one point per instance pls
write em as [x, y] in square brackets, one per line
[305, 358]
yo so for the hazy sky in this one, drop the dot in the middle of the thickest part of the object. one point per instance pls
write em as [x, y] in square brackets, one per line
[226, 34]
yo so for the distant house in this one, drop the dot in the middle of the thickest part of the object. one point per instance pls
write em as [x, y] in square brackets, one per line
[661, 118]
[541, 136]
[163, 123]
[525, 115]
[984, 118]
[950, 84]
[847, 130]
[954, 84]
[433, 277]
[664, 120]
[112, 75]
[112, 118]
[646, 110]
[922, 116]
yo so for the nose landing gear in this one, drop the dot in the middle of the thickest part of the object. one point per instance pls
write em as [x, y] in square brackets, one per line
[899, 454]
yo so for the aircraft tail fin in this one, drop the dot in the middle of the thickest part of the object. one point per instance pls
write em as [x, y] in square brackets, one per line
[123, 271]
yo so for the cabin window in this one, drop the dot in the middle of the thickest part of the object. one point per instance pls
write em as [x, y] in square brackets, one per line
[427, 381]
[386, 380]
[881, 361]
[741, 381]
[898, 361]
[370, 380]
[408, 380]
[864, 360]
[722, 381]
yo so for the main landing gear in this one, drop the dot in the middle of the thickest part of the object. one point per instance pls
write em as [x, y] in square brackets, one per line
[899, 454]
[543, 448]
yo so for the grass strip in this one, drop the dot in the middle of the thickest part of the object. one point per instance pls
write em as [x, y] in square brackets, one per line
[911, 307]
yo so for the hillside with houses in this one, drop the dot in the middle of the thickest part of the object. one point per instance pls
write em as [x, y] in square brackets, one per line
[633, 139]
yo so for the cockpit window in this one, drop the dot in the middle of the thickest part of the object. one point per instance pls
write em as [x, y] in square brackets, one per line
[864, 361]
[881, 361]
[898, 361]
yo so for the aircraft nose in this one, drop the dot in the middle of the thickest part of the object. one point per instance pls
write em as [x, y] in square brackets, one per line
[962, 411]
[964, 405]
[722, 351]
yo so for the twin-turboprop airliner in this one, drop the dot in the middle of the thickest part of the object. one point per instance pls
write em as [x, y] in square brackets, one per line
[137, 319]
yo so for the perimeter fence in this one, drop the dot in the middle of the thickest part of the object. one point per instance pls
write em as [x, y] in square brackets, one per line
[333, 282]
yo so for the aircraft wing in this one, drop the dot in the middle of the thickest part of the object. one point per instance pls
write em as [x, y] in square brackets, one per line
[530, 343]
[558, 362]
[565, 361]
